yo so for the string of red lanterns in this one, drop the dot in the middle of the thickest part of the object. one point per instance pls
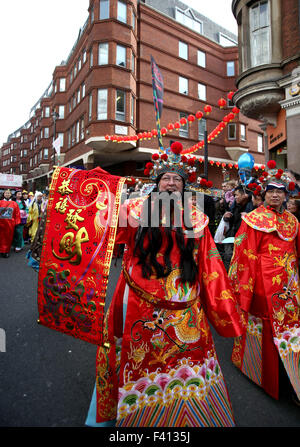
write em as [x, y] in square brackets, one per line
[147, 135]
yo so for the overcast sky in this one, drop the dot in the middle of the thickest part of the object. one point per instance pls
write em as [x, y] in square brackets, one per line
[37, 35]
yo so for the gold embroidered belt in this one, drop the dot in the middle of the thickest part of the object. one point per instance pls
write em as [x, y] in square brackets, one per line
[160, 302]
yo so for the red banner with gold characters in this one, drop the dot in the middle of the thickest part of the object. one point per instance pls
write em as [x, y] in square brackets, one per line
[82, 217]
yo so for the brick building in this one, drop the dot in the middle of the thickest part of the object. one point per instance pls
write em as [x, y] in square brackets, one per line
[269, 74]
[105, 88]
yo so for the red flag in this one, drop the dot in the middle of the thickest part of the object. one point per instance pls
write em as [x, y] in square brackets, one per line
[80, 231]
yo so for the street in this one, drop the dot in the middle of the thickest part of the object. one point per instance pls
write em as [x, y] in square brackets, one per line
[47, 378]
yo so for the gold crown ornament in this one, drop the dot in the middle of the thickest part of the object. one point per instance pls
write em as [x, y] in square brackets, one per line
[171, 160]
[276, 178]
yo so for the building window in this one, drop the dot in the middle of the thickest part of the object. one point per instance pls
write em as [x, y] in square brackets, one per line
[121, 56]
[230, 68]
[62, 85]
[103, 54]
[91, 57]
[183, 50]
[61, 112]
[132, 109]
[133, 20]
[184, 129]
[83, 90]
[231, 131]
[230, 103]
[47, 112]
[77, 132]
[104, 9]
[46, 153]
[46, 132]
[120, 105]
[183, 85]
[188, 19]
[102, 104]
[243, 132]
[92, 14]
[90, 108]
[122, 12]
[82, 128]
[201, 58]
[260, 33]
[61, 137]
[259, 143]
[201, 128]
[202, 92]
[133, 62]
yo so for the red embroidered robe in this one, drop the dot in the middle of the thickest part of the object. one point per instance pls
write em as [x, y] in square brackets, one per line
[160, 368]
[264, 273]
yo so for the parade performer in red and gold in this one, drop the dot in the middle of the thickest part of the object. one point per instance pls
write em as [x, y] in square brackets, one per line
[158, 366]
[9, 218]
[264, 273]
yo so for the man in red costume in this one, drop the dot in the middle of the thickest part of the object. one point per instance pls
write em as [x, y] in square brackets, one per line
[264, 273]
[158, 365]
[9, 218]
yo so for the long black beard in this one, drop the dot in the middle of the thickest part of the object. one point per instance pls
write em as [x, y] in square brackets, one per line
[153, 235]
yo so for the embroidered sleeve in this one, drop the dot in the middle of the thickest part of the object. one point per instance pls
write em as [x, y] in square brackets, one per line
[218, 298]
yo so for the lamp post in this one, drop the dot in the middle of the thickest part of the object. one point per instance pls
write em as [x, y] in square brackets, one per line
[55, 116]
[205, 155]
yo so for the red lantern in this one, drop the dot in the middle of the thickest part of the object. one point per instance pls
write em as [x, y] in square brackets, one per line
[149, 165]
[207, 109]
[211, 162]
[199, 115]
[163, 131]
[177, 125]
[235, 110]
[230, 165]
[170, 127]
[222, 103]
[183, 121]
[231, 116]
[230, 95]
[191, 118]
[154, 132]
[155, 157]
